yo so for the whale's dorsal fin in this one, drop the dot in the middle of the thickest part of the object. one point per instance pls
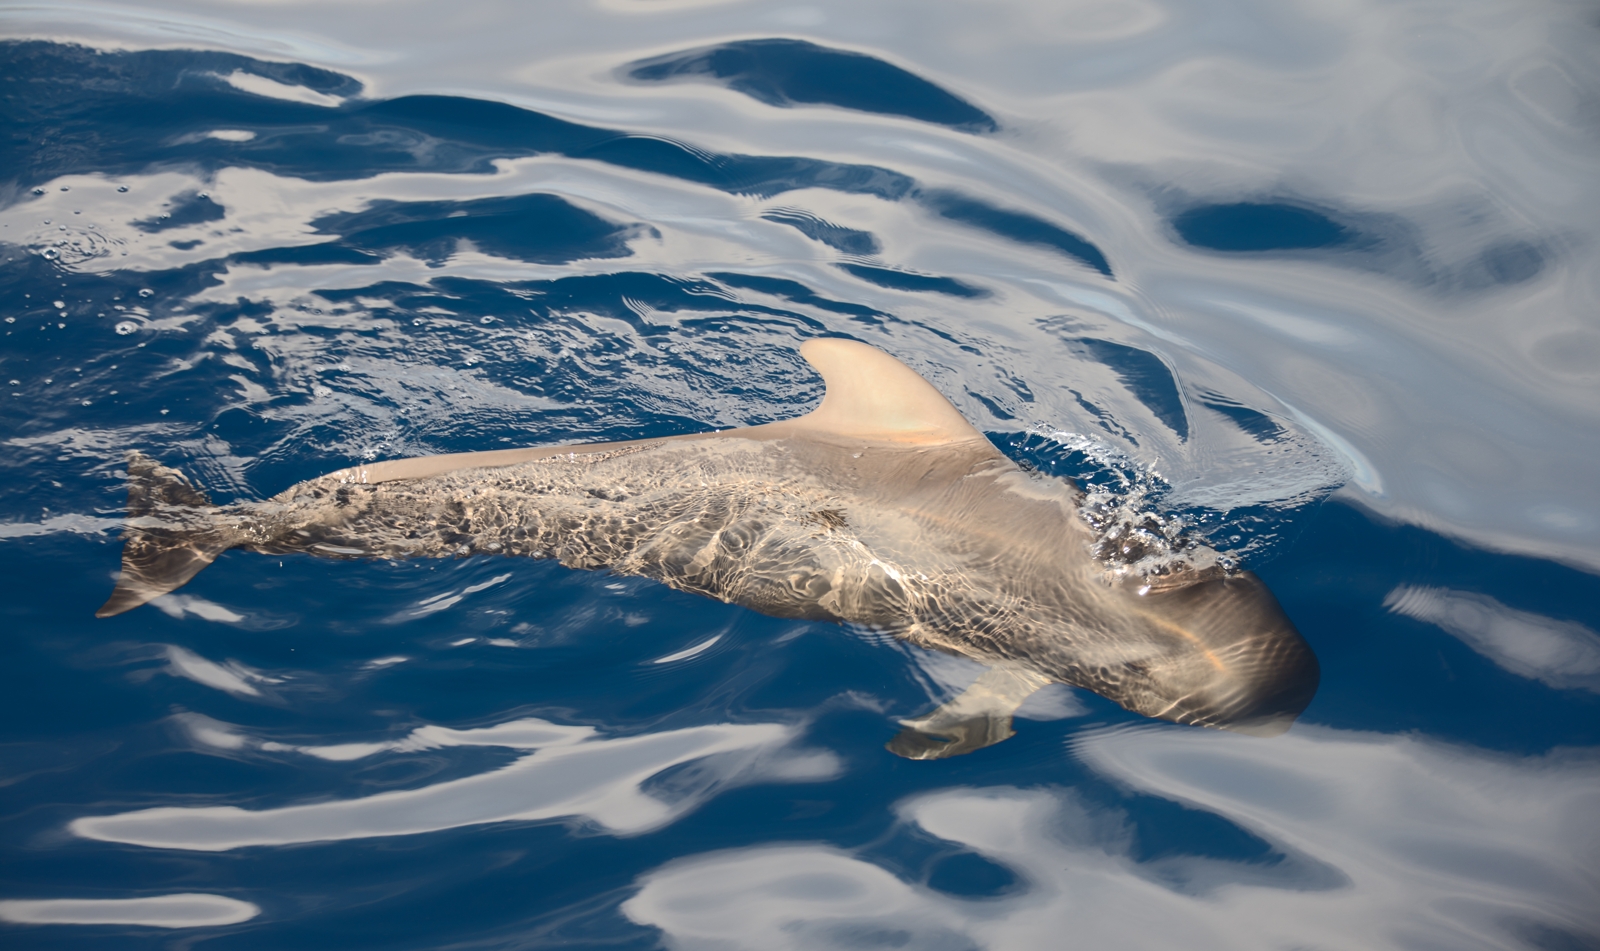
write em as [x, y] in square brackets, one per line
[872, 396]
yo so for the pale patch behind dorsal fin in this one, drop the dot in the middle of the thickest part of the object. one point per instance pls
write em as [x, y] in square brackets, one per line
[871, 395]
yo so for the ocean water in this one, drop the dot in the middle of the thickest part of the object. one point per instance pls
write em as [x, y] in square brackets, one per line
[1314, 285]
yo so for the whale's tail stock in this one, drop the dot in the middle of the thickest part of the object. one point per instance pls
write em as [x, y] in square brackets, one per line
[172, 532]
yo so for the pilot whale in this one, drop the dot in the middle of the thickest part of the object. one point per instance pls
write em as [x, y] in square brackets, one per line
[883, 507]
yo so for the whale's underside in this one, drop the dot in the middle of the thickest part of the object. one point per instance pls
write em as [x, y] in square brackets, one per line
[883, 507]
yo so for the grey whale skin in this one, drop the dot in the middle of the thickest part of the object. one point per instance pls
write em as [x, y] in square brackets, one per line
[882, 507]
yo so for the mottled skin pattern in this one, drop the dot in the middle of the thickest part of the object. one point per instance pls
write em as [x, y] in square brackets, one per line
[976, 560]
[883, 508]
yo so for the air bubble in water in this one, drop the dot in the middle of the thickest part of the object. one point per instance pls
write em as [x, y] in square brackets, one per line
[60, 304]
[126, 327]
[146, 292]
[65, 188]
[38, 191]
[485, 320]
[122, 188]
[50, 254]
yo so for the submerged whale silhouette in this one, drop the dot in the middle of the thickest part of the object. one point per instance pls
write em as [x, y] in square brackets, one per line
[882, 507]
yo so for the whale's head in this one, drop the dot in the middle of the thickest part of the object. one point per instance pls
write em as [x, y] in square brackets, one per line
[1224, 655]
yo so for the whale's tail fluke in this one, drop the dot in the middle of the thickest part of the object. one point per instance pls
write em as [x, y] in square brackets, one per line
[171, 533]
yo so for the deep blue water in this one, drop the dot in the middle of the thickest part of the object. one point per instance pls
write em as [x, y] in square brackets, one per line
[1439, 789]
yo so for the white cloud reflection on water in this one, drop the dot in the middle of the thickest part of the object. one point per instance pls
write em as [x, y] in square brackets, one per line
[178, 605]
[229, 677]
[572, 775]
[185, 910]
[1563, 654]
[1383, 842]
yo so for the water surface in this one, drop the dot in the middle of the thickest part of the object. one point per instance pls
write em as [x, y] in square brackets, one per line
[1315, 289]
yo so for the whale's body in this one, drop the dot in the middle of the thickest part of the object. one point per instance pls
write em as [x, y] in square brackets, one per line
[883, 507]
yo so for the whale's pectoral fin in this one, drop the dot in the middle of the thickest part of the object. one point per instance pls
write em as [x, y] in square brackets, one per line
[979, 717]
